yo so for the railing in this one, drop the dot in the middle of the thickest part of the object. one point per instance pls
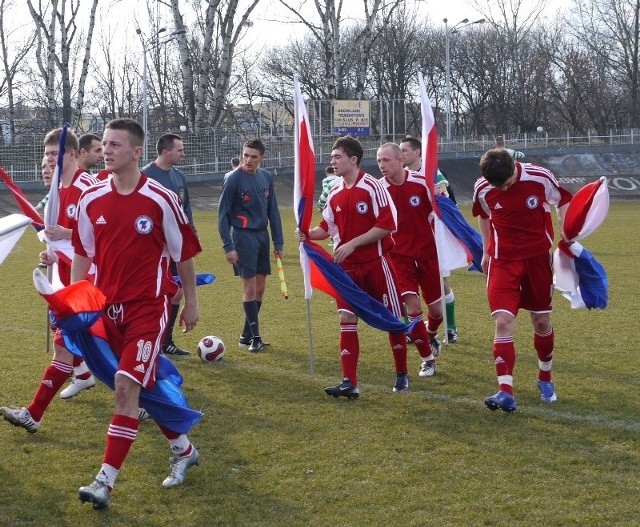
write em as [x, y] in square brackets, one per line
[210, 152]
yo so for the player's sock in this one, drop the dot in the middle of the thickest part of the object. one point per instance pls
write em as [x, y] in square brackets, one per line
[246, 331]
[80, 371]
[350, 351]
[420, 337]
[175, 309]
[251, 313]
[544, 348]
[398, 343]
[108, 475]
[433, 324]
[122, 432]
[179, 443]
[504, 355]
[450, 306]
[54, 377]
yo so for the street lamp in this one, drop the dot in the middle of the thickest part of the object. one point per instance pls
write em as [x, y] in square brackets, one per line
[448, 32]
[147, 44]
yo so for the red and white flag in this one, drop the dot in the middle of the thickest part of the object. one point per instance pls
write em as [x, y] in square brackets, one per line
[429, 143]
[304, 178]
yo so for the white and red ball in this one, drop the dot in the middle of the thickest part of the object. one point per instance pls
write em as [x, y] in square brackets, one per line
[211, 349]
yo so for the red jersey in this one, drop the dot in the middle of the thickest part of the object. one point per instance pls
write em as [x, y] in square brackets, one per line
[69, 197]
[350, 212]
[521, 224]
[132, 237]
[414, 236]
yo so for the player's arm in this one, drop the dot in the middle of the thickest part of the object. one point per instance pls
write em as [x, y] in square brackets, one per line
[485, 231]
[189, 315]
[317, 233]
[80, 267]
[373, 235]
[57, 232]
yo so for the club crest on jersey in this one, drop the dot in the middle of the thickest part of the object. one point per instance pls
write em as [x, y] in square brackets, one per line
[362, 207]
[414, 201]
[143, 224]
[71, 211]
[532, 202]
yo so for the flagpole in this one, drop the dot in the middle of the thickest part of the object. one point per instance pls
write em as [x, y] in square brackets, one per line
[312, 361]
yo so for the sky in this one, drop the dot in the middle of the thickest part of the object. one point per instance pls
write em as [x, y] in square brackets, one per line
[269, 14]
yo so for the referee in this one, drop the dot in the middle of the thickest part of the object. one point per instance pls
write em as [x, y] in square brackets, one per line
[247, 205]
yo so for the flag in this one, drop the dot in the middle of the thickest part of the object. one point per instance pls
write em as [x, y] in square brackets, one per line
[577, 273]
[11, 228]
[429, 143]
[201, 279]
[52, 208]
[318, 268]
[26, 207]
[304, 178]
[458, 243]
[77, 309]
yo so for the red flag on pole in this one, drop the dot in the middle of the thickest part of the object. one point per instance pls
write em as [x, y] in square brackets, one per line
[429, 143]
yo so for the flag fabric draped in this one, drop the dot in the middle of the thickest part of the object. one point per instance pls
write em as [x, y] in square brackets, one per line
[201, 279]
[11, 228]
[332, 279]
[577, 273]
[458, 243]
[22, 201]
[429, 143]
[76, 309]
[318, 268]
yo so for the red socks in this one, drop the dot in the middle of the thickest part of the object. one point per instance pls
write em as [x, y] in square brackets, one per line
[54, 377]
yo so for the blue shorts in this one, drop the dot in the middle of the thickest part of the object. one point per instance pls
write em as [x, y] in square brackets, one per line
[253, 252]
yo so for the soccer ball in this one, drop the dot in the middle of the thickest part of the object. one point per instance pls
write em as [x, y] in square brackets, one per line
[211, 349]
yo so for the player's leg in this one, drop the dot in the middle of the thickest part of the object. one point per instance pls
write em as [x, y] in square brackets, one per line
[450, 306]
[169, 347]
[183, 456]
[503, 288]
[246, 336]
[53, 378]
[429, 280]
[537, 291]
[349, 355]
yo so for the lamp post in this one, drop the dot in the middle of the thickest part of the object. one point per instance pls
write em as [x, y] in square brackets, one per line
[147, 44]
[448, 32]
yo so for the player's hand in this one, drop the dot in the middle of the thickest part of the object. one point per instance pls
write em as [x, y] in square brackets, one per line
[341, 253]
[485, 263]
[232, 257]
[56, 233]
[300, 236]
[278, 254]
[189, 317]
[45, 260]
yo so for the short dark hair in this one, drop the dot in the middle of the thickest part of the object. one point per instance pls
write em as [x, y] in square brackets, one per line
[351, 147]
[329, 170]
[500, 141]
[85, 141]
[497, 166]
[235, 162]
[165, 142]
[133, 127]
[256, 144]
[70, 141]
[415, 143]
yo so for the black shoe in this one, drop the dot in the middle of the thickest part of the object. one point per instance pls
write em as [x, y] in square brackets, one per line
[172, 349]
[344, 389]
[256, 345]
[245, 342]
[452, 336]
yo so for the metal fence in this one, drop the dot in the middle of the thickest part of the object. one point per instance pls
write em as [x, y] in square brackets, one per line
[211, 151]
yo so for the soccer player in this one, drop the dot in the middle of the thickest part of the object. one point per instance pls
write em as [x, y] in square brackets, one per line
[90, 153]
[329, 181]
[247, 204]
[412, 151]
[131, 226]
[512, 201]
[360, 216]
[47, 174]
[170, 149]
[73, 181]
[234, 163]
[414, 254]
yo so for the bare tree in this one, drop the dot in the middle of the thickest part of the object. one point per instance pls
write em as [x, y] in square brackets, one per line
[210, 47]
[59, 25]
[13, 54]
[328, 32]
